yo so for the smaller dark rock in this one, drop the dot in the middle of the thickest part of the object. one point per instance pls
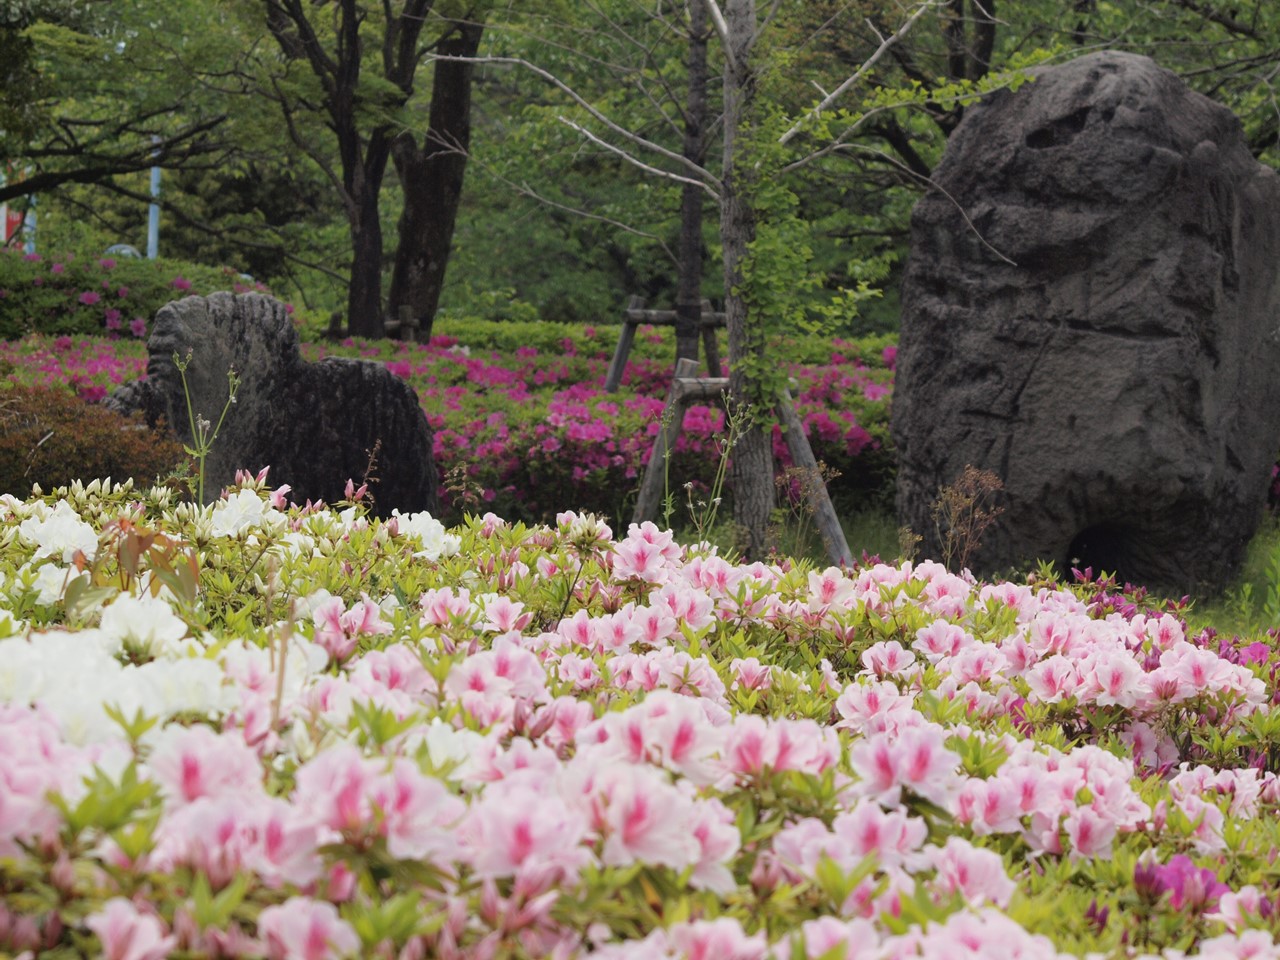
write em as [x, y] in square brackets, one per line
[317, 425]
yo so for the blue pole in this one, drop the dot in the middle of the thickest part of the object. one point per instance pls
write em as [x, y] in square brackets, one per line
[153, 216]
[29, 227]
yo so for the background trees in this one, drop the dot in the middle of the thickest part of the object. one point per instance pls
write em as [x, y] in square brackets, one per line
[562, 155]
[547, 222]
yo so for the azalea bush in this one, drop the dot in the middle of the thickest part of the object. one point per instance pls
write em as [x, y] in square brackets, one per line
[523, 425]
[108, 296]
[49, 436]
[249, 730]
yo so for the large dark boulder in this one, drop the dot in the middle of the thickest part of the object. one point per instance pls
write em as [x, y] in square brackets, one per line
[1090, 311]
[315, 424]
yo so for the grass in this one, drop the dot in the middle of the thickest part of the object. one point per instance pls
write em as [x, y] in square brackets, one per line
[1250, 606]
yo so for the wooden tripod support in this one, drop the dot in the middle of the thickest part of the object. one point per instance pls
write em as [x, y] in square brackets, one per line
[687, 389]
[635, 314]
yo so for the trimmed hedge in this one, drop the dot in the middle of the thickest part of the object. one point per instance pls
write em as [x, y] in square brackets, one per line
[69, 294]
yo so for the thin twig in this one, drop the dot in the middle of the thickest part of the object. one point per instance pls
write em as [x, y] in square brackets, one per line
[703, 176]
[829, 99]
[636, 161]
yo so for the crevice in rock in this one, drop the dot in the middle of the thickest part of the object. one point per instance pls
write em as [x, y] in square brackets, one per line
[1059, 132]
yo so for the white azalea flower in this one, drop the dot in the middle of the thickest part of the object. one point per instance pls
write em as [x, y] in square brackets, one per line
[445, 745]
[59, 534]
[146, 624]
[22, 674]
[429, 532]
[50, 582]
[77, 700]
[296, 544]
[191, 685]
[241, 511]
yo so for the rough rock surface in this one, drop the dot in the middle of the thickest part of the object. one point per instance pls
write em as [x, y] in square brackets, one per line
[315, 424]
[1099, 327]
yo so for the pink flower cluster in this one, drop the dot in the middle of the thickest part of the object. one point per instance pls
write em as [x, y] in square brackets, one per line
[561, 719]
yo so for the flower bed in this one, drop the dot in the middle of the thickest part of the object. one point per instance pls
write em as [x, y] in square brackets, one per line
[530, 427]
[246, 730]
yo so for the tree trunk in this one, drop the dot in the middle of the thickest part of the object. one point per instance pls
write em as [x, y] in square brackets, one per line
[431, 176]
[751, 467]
[689, 286]
[364, 293]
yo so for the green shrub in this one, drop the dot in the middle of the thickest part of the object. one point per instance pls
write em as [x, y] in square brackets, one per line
[69, 294]
[51, 437]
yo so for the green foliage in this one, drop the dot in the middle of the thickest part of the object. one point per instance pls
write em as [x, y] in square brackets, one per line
[203, 432]
[72, 294]
[51, 437]
[1252, 606]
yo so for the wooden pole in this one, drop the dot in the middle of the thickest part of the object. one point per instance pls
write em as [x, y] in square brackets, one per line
[625, 337]
[709, 342]
[824, 514]
[653, 486]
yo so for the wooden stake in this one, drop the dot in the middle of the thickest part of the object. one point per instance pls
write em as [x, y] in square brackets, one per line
[652, 487]
[824, 514]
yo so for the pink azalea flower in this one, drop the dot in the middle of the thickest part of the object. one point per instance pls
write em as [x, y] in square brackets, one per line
[1113, 678]
[126, 934]
[892, 836]
[306, 929]
[916, 759]
[1090, 833]
[643, 818]
[875, 707]
[333, 788]
[515, 825]
[418, 813]
[977, 875]
[89, 298]
[1053, 679]
[666, 729]
[941, 639]
[719, 939]
[888, 657]
[339, 630]
[636, 558]
[830, 588]
[751, 674]
[395, 677]
[502, 614]
[193, 762]
[695, 607]
[221, 836]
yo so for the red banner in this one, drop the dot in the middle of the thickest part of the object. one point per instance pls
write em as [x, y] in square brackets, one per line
[12, 221]
[10, 217]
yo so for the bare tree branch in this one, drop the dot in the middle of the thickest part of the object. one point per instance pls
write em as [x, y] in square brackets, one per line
[858, 74]
[634, 161]
[526, 191]
[933, 185]
[703, 175]
[722, 28]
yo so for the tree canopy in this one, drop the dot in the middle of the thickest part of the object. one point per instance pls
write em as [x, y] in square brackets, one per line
[295, 135]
